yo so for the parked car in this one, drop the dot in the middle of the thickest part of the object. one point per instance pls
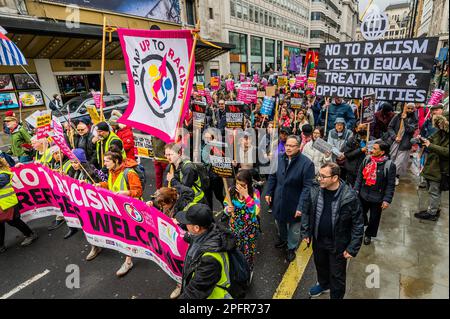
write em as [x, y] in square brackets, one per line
[78, 106]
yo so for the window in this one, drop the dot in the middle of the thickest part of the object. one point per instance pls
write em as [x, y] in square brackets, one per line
[239, 10]
[245, 11]
[211, 13]
[190, 12]
[251, 12]
[233, 8]
[256, 15]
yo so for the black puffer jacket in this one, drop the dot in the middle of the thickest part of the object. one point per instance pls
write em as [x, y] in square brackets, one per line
[207, 269]
[353, 154]
[383, 190]
[348, 226]
[185, 197]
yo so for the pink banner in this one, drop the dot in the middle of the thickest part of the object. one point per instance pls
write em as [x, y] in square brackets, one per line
[208, 96]
[107, 219]
[58, 137]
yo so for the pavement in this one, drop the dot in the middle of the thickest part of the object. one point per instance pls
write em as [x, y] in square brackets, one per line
[410, 257]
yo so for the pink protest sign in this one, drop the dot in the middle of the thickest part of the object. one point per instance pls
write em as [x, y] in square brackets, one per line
[436, 97]
[208, 96]
[230, 85]
[96, 96]
[58, 137]
[256, 78]
[242, 77]
[108, 220]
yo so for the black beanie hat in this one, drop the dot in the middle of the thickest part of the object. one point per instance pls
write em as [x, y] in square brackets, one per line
[103, 126]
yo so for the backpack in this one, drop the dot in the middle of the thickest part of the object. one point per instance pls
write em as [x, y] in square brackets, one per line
[203, 173]
[239, 274]
[140, 171]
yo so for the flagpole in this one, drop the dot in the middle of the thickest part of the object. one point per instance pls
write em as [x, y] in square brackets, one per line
[188, 75]
[102, 76]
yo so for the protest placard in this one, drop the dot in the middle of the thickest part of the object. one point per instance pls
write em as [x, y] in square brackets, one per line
[297, 99]
[267, 106]
[322, 146]
[368, 109]
[143, 146]
[215, 83]
[283, 81]
[234, 114]
[199, 114]
[221, 166]
[95, 117]
[395, 70]
[57, 134]
[271, 91]
[43, 123]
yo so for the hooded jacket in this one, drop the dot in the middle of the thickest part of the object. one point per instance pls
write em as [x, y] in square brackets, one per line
[383, 190]
[436, 164]
[339, 110]
[127, 137]
[347, 219]
[382, 120]
[206, 268]
[411, 123]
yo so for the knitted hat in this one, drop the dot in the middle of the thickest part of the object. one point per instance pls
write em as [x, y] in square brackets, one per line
[54, 149]
[113, 120]
[80, 154]
[10, 119]
[10, 113]
[339, 120]
[103, 126]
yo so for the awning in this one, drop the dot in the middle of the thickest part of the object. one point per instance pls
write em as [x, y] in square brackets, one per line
[42, 39]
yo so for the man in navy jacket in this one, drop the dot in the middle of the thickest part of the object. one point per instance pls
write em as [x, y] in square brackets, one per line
[288, 189]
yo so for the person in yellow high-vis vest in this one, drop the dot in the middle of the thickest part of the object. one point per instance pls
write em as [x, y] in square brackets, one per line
[129, 185]
[184, 172]
[103, 142]
[9, 208]
[43, 153]
[206, 273]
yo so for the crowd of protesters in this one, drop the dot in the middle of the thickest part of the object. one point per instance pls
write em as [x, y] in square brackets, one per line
[333, 200]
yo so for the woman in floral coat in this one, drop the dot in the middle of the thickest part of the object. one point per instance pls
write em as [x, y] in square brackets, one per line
[243, 213]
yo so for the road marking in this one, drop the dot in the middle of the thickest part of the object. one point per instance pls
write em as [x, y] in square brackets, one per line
[294, 273]
[24, 285]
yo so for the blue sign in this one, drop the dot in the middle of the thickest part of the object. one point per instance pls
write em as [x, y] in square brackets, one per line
[443, 54]
[267, 107]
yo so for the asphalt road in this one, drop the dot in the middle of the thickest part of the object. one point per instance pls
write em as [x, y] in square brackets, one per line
[51, 256]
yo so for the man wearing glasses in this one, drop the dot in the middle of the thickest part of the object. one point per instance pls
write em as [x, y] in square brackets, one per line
[288, 190]
[333, 221]
[83, 140]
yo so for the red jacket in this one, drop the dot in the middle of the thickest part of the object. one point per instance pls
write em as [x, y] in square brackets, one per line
[126, 135]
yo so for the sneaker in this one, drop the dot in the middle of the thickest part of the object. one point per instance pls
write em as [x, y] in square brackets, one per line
[397, 181]
[56, 224]
[280, 244]
[28, 240]
[124, 269]
[2, 249]
[367, 240]
[93, 253]
[176, 293]
[317, 290]
[290, 257]
[427, 216]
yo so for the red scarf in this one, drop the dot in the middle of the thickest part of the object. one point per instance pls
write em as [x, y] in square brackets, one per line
[305, 140]
[370, 171]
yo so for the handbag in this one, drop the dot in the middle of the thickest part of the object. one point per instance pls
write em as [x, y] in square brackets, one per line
[6, 215]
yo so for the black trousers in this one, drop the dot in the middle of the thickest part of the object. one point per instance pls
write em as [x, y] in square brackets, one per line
[216, 188]
[331, 268]
[372, 223]
[17, 223]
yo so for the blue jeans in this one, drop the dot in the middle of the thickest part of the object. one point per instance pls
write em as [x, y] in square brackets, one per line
[290, 233]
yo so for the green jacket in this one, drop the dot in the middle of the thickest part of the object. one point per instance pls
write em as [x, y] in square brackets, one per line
[437, 152]
[19, 137]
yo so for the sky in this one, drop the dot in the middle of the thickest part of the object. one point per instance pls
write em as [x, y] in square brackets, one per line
[382, 4]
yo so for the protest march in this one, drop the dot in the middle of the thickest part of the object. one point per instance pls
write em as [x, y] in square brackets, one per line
[197, 176]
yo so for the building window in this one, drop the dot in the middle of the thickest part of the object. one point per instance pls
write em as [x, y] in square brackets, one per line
[190, 12]
[251, 12]
[233, 8]
[211, 13]
[245, 11]
[238, 10]
[256, 54]
[256, 15]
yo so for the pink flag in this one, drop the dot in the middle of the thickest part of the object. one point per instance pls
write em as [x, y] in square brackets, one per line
[157, 63]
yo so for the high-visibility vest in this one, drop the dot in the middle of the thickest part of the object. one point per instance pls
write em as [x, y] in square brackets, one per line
[219, 292]
[111, 137]
[66, 167]
[120, 184]
[8, 196]
[197, 187]
[44, 158]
